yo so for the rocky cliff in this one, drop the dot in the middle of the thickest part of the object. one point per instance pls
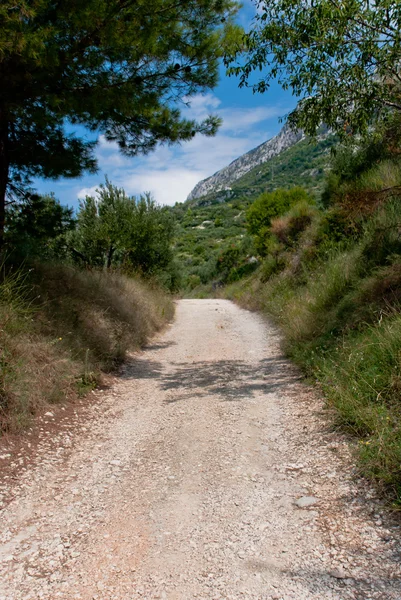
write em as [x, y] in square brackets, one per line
[225, 177]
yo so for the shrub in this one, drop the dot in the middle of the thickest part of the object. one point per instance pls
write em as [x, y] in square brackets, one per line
[288, 228]
[271, 265]
[268, 206]
[37, 228]
[116, 230]
[193, 281]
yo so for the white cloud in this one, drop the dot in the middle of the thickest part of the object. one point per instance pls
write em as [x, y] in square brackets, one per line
[240, 119]
[89, 191]
[201, 105]
[167, 186]
[171, 172]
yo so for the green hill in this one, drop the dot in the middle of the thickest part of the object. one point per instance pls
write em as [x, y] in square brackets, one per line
[208, 227]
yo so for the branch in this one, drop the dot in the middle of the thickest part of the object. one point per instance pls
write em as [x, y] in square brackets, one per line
[78, 254]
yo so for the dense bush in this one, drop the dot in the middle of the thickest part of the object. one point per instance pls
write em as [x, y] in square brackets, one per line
[288, 228]
[37, 227]
[268, 206]
[111, 230]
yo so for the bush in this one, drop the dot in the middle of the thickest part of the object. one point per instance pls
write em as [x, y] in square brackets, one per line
[268, 206]
[287, 229]
[114, 230]
[271, 265]
[193, 281]
[36, 228]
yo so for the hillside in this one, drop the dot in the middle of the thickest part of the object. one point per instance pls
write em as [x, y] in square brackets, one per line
[208, 225]
[245, 163]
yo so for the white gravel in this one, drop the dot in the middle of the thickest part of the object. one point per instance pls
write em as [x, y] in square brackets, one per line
[207, 471]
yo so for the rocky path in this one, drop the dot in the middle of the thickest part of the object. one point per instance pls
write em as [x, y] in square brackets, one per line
[208, 471]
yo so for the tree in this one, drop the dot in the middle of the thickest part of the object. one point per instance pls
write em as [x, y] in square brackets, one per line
[118, 67]
[35, 226]
[114, 229]
[148, 241]
[103, 223]
[340, 57]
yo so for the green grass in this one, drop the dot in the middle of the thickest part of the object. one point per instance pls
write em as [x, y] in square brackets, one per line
[340, 313]
[361, 377]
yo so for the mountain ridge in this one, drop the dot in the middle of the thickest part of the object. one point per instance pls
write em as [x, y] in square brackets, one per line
[223, 178]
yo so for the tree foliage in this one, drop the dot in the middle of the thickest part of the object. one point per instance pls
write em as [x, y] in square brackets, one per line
[122, 68]
[37, 227]
[114, 229]
[341, 58]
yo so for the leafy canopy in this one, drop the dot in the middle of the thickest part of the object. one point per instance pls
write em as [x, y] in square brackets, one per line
[342, 58]
[37, 227]
[114, 229]
[119, 67]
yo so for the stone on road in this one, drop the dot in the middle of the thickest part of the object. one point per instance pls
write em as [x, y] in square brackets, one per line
[188, 481]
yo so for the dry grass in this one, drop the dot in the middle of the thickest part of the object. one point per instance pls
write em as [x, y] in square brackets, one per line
[105, 313]
[62, 327]
[290, 226]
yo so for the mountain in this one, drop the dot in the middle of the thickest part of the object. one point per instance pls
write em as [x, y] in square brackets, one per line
[224, 178]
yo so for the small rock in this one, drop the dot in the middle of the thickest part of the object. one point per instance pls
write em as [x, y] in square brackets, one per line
[8, 558]
[306, 501]
[338, 573]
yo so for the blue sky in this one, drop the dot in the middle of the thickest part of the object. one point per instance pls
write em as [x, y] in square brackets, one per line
[171, 172]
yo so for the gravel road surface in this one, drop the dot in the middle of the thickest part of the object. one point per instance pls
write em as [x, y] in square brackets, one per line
[208, 470]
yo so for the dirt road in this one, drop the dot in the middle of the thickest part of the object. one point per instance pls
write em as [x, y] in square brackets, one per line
[208, 471]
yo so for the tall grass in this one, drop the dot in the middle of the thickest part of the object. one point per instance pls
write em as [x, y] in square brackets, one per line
[362, 379]
[340, 313]
[105, 312]
[60, 327]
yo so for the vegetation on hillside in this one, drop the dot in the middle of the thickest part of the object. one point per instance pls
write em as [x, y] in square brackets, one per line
[210, 227]
[331, 278]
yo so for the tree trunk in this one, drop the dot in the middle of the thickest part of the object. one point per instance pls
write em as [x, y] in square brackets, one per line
[110, 256]
[78, 254]
[4, 172]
